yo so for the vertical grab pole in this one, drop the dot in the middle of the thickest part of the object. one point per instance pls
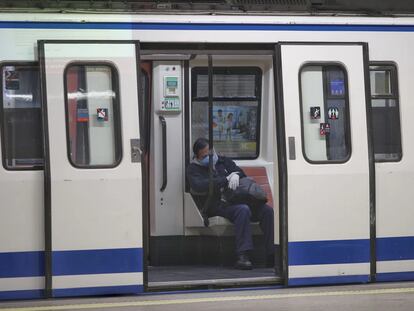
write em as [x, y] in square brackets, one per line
[210, 141]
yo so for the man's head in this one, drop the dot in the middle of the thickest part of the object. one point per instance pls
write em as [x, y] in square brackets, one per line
[200, 148]
[220, 112]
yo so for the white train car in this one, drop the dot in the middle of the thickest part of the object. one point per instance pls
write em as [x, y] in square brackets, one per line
[98, 115]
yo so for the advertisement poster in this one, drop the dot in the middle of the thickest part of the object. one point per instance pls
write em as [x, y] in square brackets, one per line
[235, 130]
[234, 123]
[235, 127]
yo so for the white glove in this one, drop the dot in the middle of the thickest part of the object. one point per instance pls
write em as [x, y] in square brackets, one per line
[233, 179]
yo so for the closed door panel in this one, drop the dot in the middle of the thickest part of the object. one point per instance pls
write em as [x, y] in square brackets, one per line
[95, 181]
[328, 166]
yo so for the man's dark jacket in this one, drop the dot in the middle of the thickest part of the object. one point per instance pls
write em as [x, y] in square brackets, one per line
[198, 178]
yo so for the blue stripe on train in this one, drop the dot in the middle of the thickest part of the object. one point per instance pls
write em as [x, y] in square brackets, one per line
[31, 264]
[121, 260]
[71, 292]
[324, 280]
[22, 294]
[21, 264]
[95, 291]
[395, 276]
[398, 248]
[203, 26]
[328, 252]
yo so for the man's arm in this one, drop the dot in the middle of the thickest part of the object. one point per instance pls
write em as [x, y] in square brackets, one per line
[232, 167]
[200, 182]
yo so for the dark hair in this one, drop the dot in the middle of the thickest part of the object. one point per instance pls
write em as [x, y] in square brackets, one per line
[219, 110]
[199, 144]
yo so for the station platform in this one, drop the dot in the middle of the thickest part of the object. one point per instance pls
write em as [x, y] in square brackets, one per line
[378, 297]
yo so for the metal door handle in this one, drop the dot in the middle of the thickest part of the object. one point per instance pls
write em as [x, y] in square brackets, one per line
[164, 153]
[292, 148]
[136, 151]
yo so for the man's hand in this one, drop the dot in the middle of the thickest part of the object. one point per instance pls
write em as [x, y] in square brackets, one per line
[233, 179]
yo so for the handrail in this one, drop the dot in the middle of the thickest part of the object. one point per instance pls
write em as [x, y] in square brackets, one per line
[164, 153]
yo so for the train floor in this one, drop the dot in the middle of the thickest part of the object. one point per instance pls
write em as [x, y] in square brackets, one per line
[368, 297]
[176, 276]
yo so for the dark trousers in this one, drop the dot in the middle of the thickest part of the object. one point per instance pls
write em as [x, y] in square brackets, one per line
[241, 215]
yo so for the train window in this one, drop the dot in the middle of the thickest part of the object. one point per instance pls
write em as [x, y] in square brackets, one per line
[324, 113]
[93, 118]
[21, 121]
[385, 112]
[236, 109]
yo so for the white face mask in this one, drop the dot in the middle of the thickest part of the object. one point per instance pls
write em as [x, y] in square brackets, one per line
[205, 160]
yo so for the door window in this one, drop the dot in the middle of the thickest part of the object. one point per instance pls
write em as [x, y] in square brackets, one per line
[93, 118]
[385, 113]
[325, 115]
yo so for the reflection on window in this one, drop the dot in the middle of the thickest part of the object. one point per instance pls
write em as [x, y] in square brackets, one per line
[324, 113]
[385, 113]
[380, 82]
[236, 109]
[93, 115]
[21, 117]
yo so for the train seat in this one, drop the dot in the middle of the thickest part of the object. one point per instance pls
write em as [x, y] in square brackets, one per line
[259, 175]
[221, 226]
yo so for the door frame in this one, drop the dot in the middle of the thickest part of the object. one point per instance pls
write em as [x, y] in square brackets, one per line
[282, 149]
[164, 49]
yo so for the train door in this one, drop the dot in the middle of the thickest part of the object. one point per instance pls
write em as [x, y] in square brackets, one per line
[323, 88]
[93, 169]
[183, 251]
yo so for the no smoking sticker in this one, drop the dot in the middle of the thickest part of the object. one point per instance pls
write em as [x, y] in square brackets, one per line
[102, 114]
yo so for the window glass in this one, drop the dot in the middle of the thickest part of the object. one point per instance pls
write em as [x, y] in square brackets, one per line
[380, 82]
[236, 109]
[324, 113]
[93, 115]
[385, 113]
[21, 117]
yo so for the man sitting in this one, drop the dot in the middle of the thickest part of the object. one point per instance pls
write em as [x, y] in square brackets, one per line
[226, 174]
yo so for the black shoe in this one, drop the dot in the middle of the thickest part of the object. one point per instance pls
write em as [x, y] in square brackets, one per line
[243, 262]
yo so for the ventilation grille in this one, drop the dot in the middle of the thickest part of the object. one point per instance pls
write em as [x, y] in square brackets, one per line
[271, 2]
[363, 7]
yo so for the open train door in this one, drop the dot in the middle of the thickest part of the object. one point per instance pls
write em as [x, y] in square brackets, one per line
[328, 193]
[93, 184]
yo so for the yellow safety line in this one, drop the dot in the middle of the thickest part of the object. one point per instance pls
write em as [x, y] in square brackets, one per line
[209, 299]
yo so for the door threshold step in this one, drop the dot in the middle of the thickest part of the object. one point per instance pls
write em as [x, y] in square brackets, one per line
[274, 280]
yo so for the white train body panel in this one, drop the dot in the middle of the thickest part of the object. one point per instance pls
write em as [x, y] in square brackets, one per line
[21, 192]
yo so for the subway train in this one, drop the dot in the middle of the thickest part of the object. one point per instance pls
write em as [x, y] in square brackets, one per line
[98, 115]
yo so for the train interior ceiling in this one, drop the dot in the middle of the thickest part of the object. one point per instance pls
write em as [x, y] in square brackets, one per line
[182, 250]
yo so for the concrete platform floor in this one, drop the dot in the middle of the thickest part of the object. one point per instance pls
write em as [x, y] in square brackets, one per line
[375, 297]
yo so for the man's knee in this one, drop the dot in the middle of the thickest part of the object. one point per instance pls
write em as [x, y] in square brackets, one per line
[244, 211]
[267, 213]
